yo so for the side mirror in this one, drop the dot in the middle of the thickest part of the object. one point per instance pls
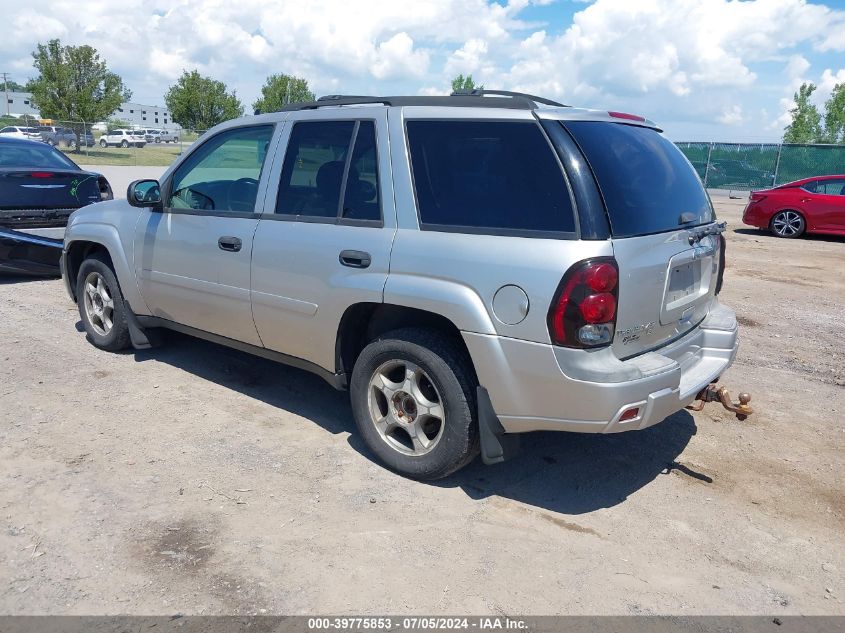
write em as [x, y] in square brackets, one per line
[144, 193]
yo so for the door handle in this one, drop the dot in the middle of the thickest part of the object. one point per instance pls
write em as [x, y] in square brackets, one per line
[229, 243]
[355, 259]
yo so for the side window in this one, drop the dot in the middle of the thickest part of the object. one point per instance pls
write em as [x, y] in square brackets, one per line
[488, 175]
[361, 198]
[319, 171]
[5, 130]
[222, 175]
[312, 175]
[810, 186]
[831, 187]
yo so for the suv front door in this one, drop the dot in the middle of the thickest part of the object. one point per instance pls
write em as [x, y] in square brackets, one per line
[192, 259]
[324, 240]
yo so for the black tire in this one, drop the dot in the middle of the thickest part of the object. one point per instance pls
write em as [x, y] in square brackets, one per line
[788, 224]
[103, 144]
[124, 143]
[450, 372]
[175, 139]
[117, 338]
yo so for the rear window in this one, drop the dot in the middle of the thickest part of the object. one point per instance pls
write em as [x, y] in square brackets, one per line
[647, 184]
[33, 155]
[488, 177]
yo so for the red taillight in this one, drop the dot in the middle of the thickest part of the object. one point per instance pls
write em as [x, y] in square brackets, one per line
[598, 308]
[42, 174]
[583, 312]
[602, 277]
[756, 197]
[625, 115]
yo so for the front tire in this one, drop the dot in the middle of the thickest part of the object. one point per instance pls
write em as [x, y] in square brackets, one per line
[103, 144]
[788, 223]
[413, 397]
[101, 305]
[124, 144]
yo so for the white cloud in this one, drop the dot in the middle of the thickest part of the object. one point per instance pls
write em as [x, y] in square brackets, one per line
[731, 116]
[688, 59]
[397, 57]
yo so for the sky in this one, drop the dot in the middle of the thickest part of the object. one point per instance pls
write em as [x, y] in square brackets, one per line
[702, 69]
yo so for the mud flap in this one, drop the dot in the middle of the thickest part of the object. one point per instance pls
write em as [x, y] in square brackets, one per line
[496, 445]
[140, 338]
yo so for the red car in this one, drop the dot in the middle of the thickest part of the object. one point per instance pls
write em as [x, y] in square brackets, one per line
[811, 205]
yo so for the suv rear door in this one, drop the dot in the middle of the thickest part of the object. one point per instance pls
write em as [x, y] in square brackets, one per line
[324, 240]
[658, 212]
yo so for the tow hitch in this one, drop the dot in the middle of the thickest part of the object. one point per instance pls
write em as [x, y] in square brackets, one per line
[713, 393]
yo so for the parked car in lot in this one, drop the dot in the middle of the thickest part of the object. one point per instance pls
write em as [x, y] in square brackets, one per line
[123, 138]
[16, 131]
[168, 136]
[39, 188]
[811, 205]
[150, 135]
[64, 137]
[470, 267]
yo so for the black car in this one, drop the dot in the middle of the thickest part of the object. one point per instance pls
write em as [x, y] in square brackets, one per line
[39, 188]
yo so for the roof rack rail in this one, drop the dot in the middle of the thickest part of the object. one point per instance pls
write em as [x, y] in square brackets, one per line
[480, 92]
[459, 98]
[336, 100]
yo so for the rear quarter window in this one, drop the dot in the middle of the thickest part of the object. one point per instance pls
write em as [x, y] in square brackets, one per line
[499, 177]
[647, 184]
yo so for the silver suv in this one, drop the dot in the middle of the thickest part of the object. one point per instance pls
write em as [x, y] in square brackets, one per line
[470, 267]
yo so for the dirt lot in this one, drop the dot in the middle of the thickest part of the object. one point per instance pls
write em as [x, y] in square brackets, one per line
[196, 479]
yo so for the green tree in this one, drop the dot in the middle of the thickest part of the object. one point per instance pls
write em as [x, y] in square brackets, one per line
[806, 121]
[280, 90]
[834, 115]
[465, 83]
[74, 84]
[13, 86]
[198, 102]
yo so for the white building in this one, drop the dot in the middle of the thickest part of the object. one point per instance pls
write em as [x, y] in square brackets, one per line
[140, 115]
[18, 104]
[137, 115]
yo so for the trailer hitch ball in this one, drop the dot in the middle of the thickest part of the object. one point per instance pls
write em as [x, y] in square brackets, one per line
[714, 393]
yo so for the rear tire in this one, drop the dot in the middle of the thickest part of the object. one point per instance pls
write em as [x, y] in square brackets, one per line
[413, 397]
[788, 224]
[101, 305]
[103, 144]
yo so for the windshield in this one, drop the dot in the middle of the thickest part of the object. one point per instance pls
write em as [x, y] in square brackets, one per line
[33, 155]
[647, 184]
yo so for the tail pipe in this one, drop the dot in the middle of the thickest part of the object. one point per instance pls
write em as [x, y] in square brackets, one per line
[714, 393]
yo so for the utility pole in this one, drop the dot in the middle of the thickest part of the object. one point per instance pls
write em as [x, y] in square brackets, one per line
[6, 90]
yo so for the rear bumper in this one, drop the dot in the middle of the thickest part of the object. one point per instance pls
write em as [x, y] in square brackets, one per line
[538, 387]
[753, 215]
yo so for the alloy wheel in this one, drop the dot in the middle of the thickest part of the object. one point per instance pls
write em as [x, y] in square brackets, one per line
[406, 408]
[787, 223]
[99, 304]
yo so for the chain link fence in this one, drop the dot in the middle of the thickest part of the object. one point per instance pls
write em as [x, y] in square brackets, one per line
[748, 166]
[95, 144]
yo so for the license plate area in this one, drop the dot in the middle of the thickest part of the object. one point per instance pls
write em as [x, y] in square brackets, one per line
[681, 284]
[687, 285]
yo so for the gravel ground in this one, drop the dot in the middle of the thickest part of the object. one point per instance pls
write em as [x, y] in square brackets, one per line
[199, 480]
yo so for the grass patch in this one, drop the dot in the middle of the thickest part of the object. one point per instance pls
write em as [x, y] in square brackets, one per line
[158, 155]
